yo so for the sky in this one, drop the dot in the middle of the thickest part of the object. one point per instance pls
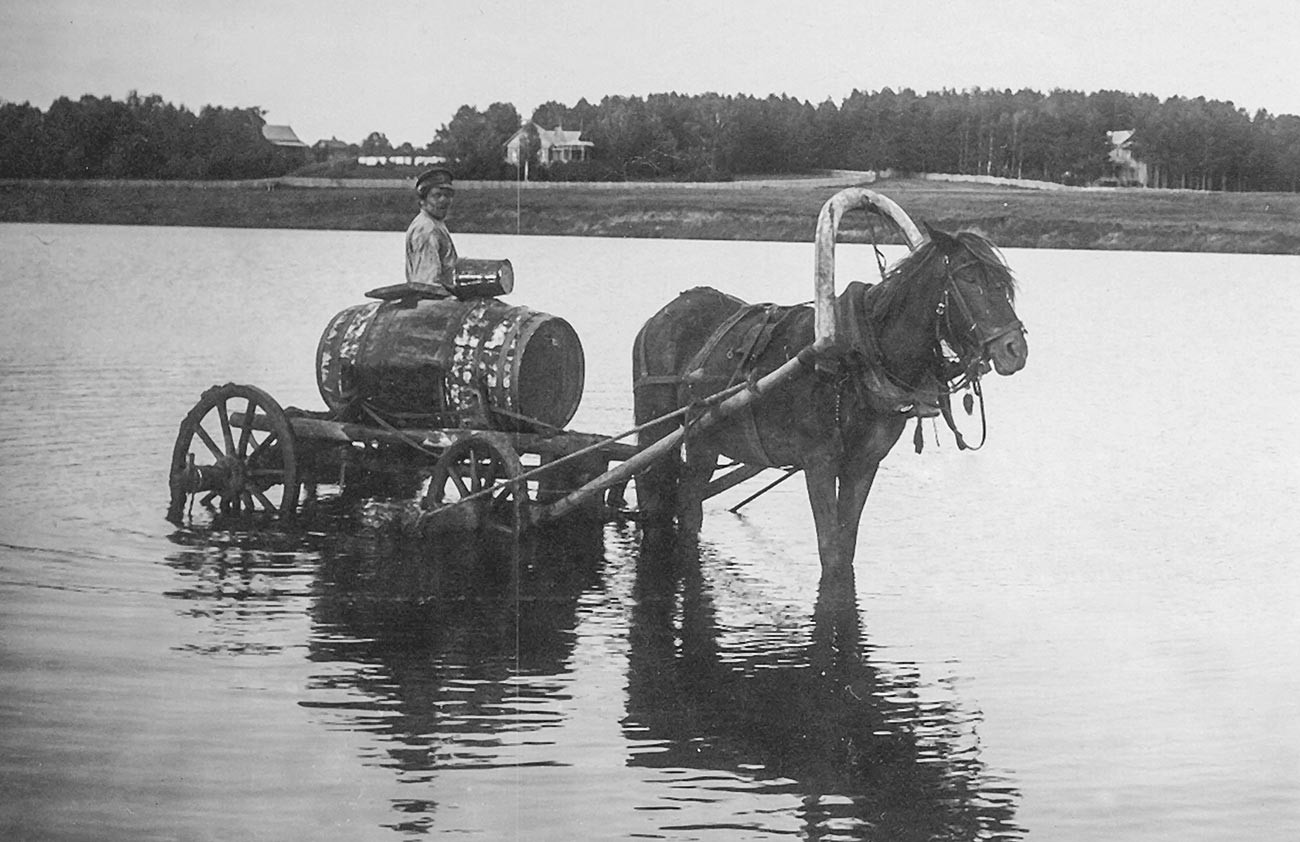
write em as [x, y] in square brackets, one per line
[346, 69]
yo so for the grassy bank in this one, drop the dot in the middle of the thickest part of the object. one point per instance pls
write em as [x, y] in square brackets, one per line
[1143, 220]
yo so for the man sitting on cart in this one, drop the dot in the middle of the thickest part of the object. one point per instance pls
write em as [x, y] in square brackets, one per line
[430, 253]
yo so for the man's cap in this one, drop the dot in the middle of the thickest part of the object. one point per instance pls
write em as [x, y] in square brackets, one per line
[431, 178]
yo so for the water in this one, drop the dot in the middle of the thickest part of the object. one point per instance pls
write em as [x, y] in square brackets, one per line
[1086, 630]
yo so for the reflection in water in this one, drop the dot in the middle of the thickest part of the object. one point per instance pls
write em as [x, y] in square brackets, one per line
[456, 656]
[247, 585]
[457, 639]
[439, 650]
[858, 742]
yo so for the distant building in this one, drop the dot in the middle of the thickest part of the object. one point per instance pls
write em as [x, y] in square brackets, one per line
[554, 145]
[282, 136]
[289, 152]
[332, 150]
[1128, 170]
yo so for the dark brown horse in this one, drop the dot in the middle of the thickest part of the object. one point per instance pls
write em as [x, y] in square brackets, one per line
[933, 324]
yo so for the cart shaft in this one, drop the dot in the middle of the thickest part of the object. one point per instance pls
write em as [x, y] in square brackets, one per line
[796, 365]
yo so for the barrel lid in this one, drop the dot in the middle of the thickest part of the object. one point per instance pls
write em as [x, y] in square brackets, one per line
[396, 292]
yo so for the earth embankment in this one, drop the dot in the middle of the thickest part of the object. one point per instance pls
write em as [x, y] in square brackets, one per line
[781, 210]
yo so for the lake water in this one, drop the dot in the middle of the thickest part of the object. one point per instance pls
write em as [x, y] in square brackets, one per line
[1087, 630]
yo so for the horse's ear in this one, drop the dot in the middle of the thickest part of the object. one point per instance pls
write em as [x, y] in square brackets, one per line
[939, 238]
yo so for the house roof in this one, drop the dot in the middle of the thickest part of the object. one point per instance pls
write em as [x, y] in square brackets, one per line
[1121, 137]
[560, 137]
[554, 137]
[281, 136]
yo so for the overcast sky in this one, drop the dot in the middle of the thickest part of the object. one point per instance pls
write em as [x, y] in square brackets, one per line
[345, 69]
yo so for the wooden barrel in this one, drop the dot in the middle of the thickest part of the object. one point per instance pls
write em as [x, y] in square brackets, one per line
[428, 357]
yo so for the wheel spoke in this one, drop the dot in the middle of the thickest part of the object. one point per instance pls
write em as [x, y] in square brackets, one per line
[207, 439]
[229, 439]
[257, 450]
[266, 501]
[246, 432]
[454, 475]
[476, 482]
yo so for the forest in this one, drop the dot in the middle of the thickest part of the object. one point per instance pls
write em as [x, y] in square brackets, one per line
[1060, 136]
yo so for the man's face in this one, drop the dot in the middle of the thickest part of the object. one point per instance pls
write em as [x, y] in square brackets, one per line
[437, 202]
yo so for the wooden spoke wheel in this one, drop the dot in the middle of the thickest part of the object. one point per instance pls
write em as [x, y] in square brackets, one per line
[478, 471]
[235, 453]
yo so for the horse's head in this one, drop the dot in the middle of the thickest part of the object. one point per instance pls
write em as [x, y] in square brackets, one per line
[976, 310]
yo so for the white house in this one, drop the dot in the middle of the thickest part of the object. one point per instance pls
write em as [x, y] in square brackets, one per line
[1128, 169]
[556, 145]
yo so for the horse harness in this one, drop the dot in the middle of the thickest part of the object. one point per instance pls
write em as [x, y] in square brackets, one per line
[746, 335]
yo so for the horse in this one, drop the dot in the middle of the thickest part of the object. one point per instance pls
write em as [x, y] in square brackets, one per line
[933, 325]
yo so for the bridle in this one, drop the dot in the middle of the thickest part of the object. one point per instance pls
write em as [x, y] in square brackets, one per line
[970, 371]
[976, 335]
[960, 372]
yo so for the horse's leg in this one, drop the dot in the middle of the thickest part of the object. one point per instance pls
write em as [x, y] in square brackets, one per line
[820, 476]
[701, 460]
[656, 486]
[855, 481]
[857, 472]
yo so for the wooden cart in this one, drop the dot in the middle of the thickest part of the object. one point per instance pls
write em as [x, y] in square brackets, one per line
[460, 404]
[239, 452]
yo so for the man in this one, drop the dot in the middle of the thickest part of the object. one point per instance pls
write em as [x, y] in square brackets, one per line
[430, 253]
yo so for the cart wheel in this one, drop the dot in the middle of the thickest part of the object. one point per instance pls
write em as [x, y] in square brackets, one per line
[235, 466]
[480, 466]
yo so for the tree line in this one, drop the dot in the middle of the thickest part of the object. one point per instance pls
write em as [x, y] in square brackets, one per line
[139, 137]
[1060, 136]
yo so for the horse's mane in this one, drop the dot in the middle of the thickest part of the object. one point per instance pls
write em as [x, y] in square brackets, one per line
[916, 281]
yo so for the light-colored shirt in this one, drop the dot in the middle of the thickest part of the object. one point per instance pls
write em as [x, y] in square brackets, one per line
[430, 253]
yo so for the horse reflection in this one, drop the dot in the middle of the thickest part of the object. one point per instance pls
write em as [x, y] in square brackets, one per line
[817, 719]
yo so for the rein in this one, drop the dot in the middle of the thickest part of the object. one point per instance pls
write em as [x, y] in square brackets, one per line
[945, 408]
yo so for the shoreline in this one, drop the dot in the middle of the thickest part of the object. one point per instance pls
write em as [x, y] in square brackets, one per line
[1134, 219]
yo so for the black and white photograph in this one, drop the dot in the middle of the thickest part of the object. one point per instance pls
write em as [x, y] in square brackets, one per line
[649, 419]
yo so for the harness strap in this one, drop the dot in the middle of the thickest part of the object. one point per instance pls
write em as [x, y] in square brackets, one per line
[656, 380]
[644, 378]
[945, 406]
[756, 340]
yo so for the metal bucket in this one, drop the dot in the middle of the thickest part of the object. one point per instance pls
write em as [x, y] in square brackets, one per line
[429, 357]
[477, 278]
